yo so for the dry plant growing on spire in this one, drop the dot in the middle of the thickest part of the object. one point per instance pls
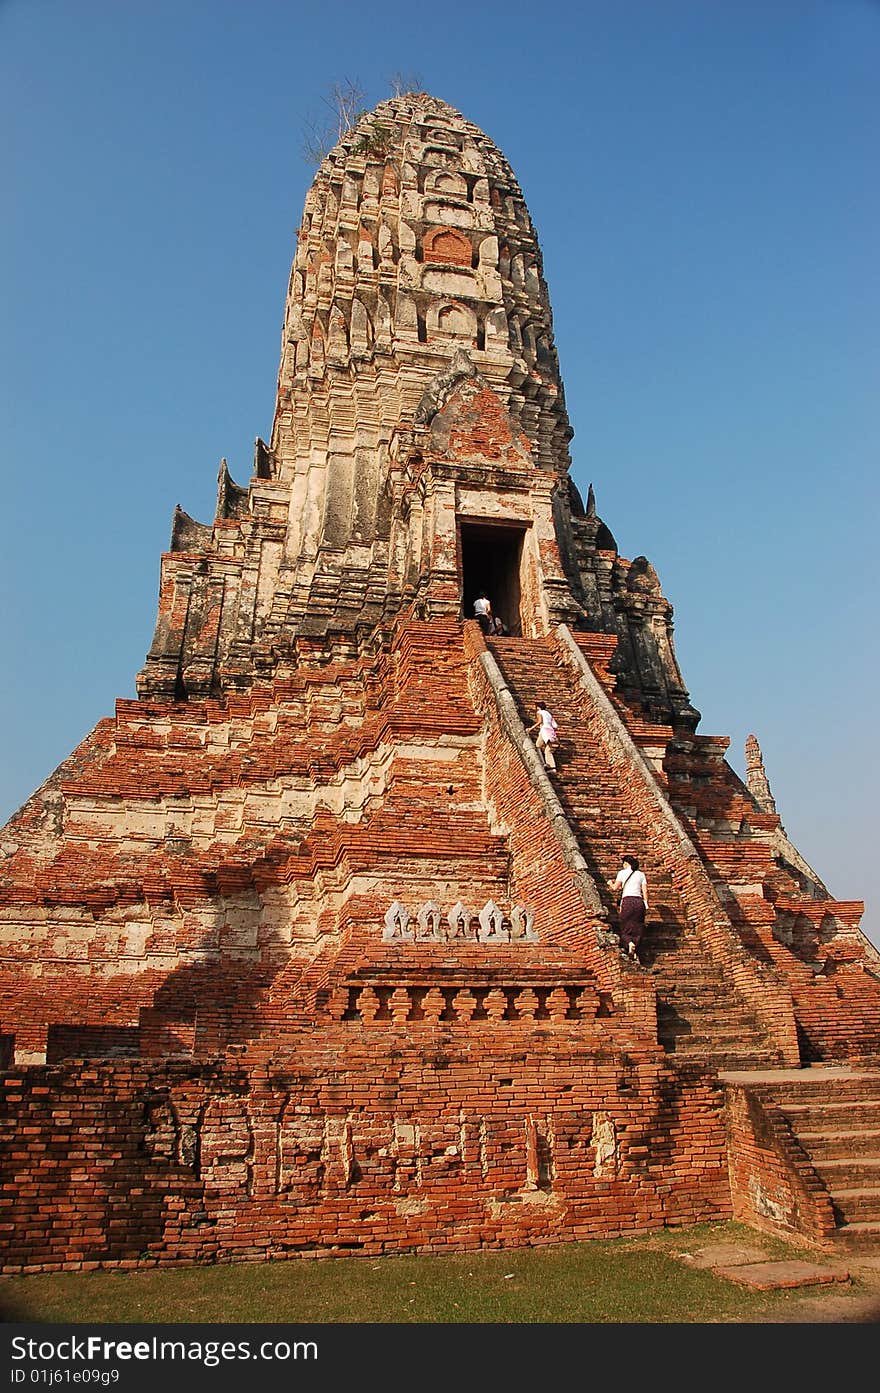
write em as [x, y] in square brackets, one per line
[345, 102]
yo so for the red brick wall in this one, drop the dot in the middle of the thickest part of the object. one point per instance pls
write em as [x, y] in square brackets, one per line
[356, 1141]
[772, 1184]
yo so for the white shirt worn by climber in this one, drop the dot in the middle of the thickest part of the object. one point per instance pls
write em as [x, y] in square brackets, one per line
[546, 736]
[548, 730]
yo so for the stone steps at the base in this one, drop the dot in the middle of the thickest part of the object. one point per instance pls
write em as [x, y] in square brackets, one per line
[668, 945]
[721, 1059]
[677, 1003]
[689, 994]
[859, 1234]
[857, 1115]
[677, 967]
[834, 1146]
[691, 977]
[597, 821]
[703, 1027]
[697, 1013]
[686, 992]
[849, 1172]
[720, 1044]
[858, 1204]
[682, 962]
[667, 922]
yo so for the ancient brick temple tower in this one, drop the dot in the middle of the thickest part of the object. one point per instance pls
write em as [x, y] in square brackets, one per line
[304, 950]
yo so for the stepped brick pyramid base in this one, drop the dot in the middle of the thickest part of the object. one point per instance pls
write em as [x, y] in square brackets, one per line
[353, 987]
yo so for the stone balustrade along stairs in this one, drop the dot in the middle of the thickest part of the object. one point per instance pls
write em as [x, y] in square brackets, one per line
[700, 1017]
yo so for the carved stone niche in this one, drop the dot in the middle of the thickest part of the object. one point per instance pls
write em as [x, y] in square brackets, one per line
[226, 1144]
[447, 183]
[460, 921]
[397, 919]
[491, 919]
[446, 246]
[452, 320]
[429, 917]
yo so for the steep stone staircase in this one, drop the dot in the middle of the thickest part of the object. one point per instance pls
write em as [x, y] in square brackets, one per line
[700, 1017]
[833, 1115]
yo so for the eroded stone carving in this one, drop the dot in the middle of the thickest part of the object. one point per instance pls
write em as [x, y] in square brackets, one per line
[397, 923]
[490, 918]
[756, 776]
[491, 925]
[777, 1207]
[459, 921]
[429, 920]
[522, 924]
[604, 1139]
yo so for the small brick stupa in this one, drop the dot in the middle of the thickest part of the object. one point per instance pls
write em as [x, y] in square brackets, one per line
[305, 950]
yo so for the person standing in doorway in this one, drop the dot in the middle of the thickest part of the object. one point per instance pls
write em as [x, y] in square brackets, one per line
[547, 728]
[633, 887]
[483, 612]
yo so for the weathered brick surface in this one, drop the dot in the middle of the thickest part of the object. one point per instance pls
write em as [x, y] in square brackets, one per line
[772, 1182]
[459, 1140]
[783, 913]
[301, 952]
[803, 1153]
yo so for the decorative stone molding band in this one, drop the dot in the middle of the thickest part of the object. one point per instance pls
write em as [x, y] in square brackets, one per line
[430, 925]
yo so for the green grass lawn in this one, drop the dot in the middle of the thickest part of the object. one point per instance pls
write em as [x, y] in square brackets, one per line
[616, 1281]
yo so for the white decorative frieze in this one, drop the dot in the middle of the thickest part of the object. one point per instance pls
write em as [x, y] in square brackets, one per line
[428, 924]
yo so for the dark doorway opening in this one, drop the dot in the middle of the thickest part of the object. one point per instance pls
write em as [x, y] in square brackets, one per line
[490, 562]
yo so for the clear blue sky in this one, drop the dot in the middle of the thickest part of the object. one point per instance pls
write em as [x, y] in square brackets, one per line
[703, 178]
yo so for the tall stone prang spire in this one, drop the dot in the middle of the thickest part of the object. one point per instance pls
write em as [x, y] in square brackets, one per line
[756, 777]
[419, 448]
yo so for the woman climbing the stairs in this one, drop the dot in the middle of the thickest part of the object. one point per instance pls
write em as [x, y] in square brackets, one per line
[633, 904]
[546, 727]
